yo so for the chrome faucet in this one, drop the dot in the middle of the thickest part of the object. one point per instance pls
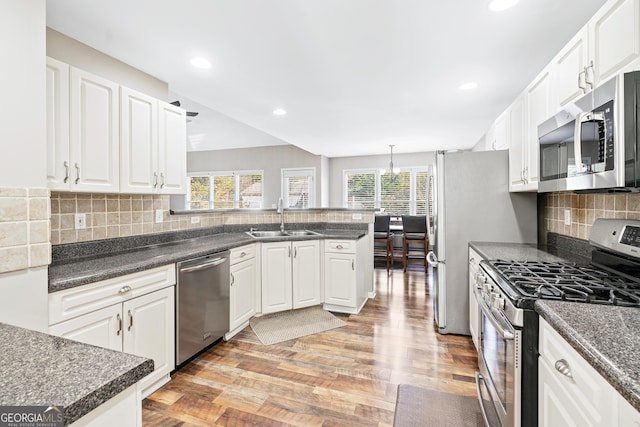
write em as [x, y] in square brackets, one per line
[280, 210]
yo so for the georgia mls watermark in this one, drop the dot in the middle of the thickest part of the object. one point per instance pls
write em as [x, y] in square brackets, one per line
[31, 416]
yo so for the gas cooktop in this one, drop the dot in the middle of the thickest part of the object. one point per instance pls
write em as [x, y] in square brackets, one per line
[567, 282]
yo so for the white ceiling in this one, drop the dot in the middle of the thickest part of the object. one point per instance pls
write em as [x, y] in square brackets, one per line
[354, 76]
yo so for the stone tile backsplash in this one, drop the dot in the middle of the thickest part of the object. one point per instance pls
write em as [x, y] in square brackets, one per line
[585, 208]
[24, 228]
[121, 215]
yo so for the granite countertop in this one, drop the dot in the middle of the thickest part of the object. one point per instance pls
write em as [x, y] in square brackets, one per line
[525, 252]
[608, 337]
[46, 370]
[71, 273]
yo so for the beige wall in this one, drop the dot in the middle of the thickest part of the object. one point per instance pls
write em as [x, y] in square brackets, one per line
[71, 51]
[269, 159]
[585, 208]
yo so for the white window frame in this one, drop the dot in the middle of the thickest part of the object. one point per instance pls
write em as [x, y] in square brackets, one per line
[289, 172]
[236, 174]
[378, 184]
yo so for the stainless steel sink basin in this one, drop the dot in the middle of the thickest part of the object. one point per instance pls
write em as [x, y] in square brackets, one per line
[301, 233]
[292, 233]
[266, 233]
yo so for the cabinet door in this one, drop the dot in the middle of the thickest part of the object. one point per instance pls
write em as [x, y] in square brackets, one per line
[276, 277]
[340, 279]
[94, 133]
[517, 137]
[501, 132]
[102, 328]
[149, 329]
[614, 40]
[555, 406]
[242, 293]
[57, 125]
[474, 312]
[138, 142]
[172, 155]
[306, 273]
[628, 416]
[568, 68]
[538, 110]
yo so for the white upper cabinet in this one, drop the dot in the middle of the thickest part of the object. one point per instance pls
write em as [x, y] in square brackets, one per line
[172, 148]
[94, 133]
[57, 76]
[607, 45]
[138, 142]
[517, 138]
[501, 133]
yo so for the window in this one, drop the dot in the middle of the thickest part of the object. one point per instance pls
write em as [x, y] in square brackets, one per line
[225, 190]
[298, 188]
[404, 193]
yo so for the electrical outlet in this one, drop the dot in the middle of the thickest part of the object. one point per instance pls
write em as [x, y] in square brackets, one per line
[195, 220]
[567, 217]
[80, 221]
[356, 216]
[159, 213]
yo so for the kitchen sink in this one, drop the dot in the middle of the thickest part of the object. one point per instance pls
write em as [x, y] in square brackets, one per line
[258, 234]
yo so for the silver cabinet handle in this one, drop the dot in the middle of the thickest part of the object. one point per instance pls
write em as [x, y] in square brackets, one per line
[339, 247]
[563, 367]
[204, 266]
[161, 179]
[243, 254]
[130, 320]
[289, 252]
[471, 260]
[586, 74]
[295, 252]
[155, 180]
[584, 88]
[233, 280]
[123, 290]
[66, 171]
[119, 323]
[353, 265]
[77, 173]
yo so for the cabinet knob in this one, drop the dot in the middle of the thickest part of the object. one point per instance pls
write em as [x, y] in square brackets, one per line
[243, 254]
[123, 290]
[339, 247]
[563, 367]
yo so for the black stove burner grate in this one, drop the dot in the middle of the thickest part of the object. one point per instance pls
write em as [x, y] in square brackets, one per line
[568, 282]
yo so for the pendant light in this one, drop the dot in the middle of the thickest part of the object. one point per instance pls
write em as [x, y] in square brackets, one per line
[392, 169]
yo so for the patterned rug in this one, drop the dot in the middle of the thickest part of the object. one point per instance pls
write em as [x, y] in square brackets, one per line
[287, 325]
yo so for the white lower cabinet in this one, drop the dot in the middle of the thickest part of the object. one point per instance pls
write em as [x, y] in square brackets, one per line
[474, 309]
[290, 275]
[244, 282]
[121, 410]
[344, 284]
[142, 323]
[571, 392]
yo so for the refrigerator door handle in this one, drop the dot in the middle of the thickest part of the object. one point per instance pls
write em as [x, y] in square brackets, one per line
[432, 259]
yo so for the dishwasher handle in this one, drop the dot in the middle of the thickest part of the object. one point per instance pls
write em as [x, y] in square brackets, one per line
[203, 266]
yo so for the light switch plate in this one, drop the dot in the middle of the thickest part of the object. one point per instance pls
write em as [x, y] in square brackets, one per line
[80, 221]
[567, 217]
[195, 220]
[159, 213]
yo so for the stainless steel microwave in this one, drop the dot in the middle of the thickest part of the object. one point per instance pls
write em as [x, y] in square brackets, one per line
[593, 143]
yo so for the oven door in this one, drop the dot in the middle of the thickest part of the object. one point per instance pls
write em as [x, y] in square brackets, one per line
[496, 382]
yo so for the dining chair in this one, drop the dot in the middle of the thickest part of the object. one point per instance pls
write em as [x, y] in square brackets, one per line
[415, 239]
[381, 234]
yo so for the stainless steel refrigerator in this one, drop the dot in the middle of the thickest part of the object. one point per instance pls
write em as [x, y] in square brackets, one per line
[471, 202]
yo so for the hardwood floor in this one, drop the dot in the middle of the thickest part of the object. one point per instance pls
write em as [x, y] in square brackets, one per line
[344, 377]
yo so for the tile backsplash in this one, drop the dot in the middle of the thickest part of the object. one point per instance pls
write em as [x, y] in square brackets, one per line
[121, 215]
[24, 228]
[584, 209]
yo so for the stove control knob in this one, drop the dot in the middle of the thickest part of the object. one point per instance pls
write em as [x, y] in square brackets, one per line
[487, 288]
[498, 303]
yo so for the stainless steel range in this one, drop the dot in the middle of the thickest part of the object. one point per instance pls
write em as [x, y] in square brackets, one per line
[506, 292]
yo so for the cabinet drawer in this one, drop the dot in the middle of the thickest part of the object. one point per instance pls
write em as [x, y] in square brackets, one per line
[74, 302]
[340, 246]
[592, 394]
[242, 253]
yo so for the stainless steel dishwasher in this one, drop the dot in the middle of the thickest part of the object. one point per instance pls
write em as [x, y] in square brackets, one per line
[202, 303]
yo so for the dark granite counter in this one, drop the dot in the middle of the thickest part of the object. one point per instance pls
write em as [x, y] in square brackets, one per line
[608, 337]
[526, 252]
[90, 262]
[46, 370]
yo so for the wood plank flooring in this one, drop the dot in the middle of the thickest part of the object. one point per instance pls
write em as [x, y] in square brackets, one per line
[344, 377]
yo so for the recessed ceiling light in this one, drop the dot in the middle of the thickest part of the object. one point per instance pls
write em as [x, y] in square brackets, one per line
[279, 112]
[500, 5]
[468, 86]
[200, 62]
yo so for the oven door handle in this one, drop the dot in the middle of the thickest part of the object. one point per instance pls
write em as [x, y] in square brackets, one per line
[496, 318]
[479, 378]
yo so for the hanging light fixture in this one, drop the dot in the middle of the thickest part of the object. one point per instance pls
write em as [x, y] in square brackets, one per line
[392, 169]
